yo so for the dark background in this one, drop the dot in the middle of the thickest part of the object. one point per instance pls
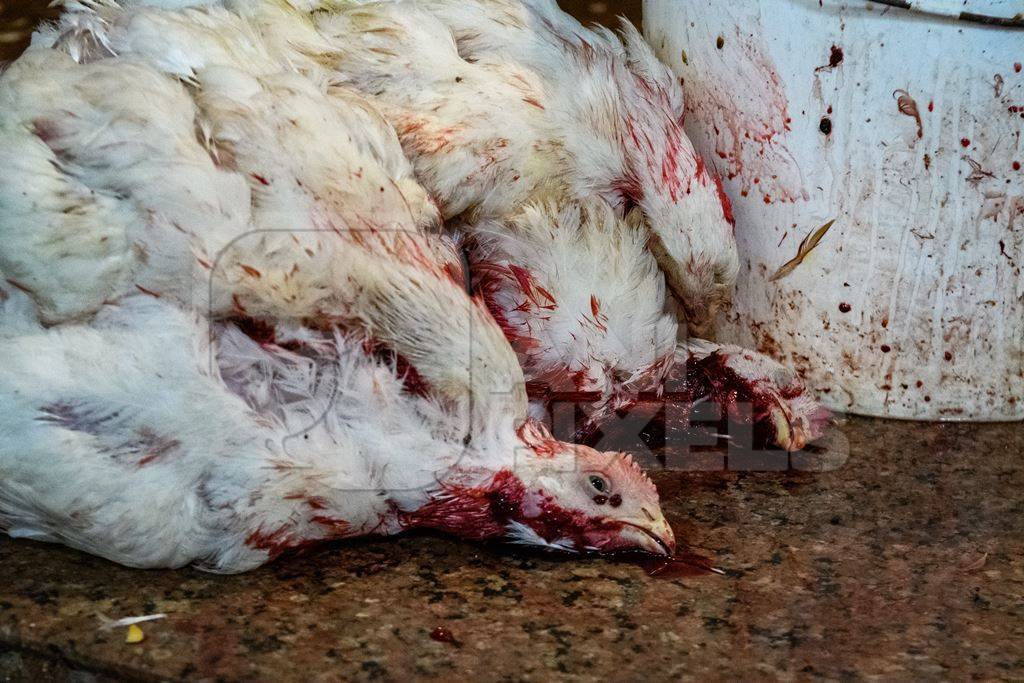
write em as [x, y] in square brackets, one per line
[604, 11]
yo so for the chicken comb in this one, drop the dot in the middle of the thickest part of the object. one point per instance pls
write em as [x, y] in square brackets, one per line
[634, 472]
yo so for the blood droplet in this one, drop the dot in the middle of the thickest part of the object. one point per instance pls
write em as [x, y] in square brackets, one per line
[845, 307]
[442, 635]
[965, 142]
[836, 56]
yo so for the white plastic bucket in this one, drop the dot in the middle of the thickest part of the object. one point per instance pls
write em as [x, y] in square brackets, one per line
[907, 129]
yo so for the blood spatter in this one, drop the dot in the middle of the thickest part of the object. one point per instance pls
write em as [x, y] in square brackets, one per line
[965, 142]
[835, 57]
[750, 119]
[845, 307]
[1016, 67]
[825, 126]
[1016, 166]
[720, 43]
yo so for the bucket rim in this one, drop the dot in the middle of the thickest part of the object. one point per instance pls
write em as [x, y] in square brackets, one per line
[939, 8]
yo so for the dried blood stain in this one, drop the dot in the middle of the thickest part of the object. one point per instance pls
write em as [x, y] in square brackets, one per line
[836, 56]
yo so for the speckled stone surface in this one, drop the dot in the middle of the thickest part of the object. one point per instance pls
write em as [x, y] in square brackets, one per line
[905, 562]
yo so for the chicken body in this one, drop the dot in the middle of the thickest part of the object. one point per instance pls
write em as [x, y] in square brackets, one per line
[509, 145]
[514, 155]
[579, 251]
[166, 195]
[499, 103]
[502, 101]
[580, 297]
[137, 439]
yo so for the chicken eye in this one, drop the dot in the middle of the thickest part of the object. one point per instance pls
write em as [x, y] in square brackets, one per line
[599, 484]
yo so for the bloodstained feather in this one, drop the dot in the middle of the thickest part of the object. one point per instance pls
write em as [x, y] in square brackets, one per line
[477, 513]
[708, 378]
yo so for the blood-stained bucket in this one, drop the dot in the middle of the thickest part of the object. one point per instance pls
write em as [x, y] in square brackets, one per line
[903, 126]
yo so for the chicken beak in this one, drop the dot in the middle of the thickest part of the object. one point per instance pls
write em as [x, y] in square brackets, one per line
[784, 437]
[794, 431]
[650, 534]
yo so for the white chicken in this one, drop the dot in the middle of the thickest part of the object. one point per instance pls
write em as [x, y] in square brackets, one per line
[584, 254]
[515, 117]
[499, 102]
[159, 202]
[123, 440]
[608, 335]
[503, 102]
[499, 165]
[579, 296]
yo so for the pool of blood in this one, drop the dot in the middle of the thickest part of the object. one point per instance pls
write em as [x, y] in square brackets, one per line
[684, 565]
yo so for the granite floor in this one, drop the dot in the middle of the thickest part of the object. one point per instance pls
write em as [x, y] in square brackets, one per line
[905, 560]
